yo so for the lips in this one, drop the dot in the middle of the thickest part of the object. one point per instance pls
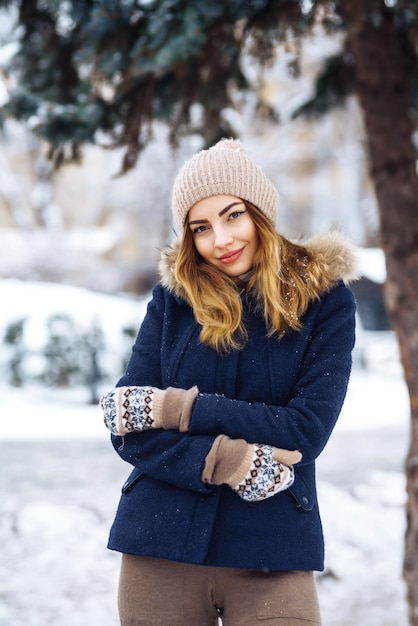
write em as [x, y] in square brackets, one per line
[230, 257]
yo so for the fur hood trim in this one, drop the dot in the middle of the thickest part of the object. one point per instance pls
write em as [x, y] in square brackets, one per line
[337, 254]
[332, 253]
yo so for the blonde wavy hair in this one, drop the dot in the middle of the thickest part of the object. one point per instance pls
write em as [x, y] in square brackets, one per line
[277, 287]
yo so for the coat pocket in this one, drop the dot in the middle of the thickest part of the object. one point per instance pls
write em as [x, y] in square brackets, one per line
[132, 479]
[302, 493]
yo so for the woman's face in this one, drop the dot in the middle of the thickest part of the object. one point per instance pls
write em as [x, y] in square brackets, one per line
[224, 233]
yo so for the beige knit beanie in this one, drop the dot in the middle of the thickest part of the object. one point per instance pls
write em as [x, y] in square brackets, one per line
[222, 169]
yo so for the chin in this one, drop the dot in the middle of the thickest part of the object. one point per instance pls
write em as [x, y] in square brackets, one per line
[239, 271]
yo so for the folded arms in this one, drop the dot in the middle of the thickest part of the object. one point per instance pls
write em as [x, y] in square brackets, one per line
[254, 471]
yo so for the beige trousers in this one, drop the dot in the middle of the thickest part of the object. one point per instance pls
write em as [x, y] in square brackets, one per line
[156, 592]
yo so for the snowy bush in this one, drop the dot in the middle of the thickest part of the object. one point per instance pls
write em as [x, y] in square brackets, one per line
[15, 351]
[70, 337]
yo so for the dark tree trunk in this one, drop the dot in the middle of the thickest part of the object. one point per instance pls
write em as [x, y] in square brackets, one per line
[384, 95]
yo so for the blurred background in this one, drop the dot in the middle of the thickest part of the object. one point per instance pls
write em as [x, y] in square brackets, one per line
[84, 213]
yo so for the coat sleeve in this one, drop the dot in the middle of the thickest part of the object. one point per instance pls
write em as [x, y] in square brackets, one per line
[170, 456]
[308, 418]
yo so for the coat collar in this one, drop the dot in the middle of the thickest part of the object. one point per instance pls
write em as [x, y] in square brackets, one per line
[332, 253]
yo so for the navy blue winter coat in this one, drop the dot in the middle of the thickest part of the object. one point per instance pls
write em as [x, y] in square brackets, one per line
[284, 392]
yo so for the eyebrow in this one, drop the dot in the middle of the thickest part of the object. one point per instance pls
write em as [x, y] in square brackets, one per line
[221, 212]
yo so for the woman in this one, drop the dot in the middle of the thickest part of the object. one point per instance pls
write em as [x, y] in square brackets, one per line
[235, 382]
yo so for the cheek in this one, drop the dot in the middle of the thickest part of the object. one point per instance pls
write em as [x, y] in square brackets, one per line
[253, 237]
[202, 248]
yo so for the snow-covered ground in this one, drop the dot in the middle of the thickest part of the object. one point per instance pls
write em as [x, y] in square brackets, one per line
[60, 483]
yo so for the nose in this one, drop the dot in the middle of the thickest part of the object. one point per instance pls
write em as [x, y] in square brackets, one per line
[222, 237]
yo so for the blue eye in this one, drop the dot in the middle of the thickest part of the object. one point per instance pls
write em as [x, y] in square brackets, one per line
[199, 229]
[235, 214]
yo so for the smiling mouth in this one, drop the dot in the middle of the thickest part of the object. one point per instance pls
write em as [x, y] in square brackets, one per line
[230, 257]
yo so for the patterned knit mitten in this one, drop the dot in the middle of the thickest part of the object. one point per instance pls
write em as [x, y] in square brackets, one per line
[135, 408]
[265, 476]
[254, 471]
